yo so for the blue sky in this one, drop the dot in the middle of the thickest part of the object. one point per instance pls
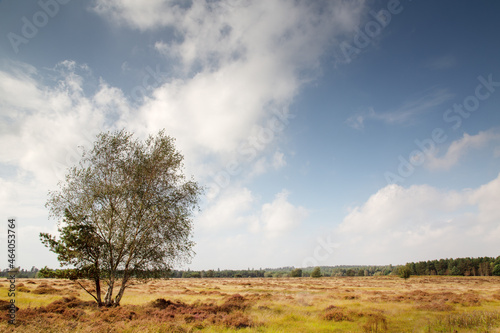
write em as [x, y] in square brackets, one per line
[326, 132]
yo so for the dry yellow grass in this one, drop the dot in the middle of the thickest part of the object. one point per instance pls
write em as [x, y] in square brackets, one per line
[340, 304]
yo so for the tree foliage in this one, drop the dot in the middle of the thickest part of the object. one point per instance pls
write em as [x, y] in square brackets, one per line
[404, 272]
[297, 272]
[124, 210]
[316, 273]
[483, 266]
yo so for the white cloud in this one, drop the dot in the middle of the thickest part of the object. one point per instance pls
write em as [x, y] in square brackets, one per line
[237, 228]
[46, 126]
[237, 61]
[397, 225]
[245, 250]
[237, 207]
[19, 90]
[21, 198]
[459, 148]
[229, 210]
[46, 116]
[281, 216]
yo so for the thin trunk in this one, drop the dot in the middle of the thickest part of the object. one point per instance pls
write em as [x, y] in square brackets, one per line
[109, 292]
[97, 281]
[98, 290]
[119, 296]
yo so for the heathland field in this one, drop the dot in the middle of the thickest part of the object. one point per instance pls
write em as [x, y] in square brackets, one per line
[328, 304]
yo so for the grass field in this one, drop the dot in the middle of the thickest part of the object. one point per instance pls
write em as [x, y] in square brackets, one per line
[340, 304]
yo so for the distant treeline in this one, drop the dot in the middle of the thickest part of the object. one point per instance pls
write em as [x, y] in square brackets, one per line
[485, 266]
[247, 273]
[287, 272]
[23, 273]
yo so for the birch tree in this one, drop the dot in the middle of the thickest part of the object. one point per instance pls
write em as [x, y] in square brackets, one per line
[125, 210]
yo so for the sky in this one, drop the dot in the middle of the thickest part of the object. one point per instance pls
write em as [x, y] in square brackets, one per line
[325, 132]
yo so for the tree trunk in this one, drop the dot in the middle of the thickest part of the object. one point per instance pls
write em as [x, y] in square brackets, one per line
[119, 296]
[109, 292]
[98, 290]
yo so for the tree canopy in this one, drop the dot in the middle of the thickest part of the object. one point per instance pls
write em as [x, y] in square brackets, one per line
[125, 209]
[404, 272]
[316, 273]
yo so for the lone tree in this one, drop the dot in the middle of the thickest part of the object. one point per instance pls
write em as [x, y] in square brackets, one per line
[316, 273]
[297, 272]
[124, 211]
[404, 272]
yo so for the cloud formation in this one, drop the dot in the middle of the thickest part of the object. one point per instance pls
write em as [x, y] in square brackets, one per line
[280, 216]
[235, 65]
[244, 232]
[459, 148]
[397, 225]
[46, 122]
[237, 207]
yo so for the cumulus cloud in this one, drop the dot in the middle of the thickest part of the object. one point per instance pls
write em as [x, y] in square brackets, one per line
[237, 207]
[459, 148]
[45, 117]
[229, 210]
[45, 123]
[246, 60]
[280, 216]
[397, 224]
[239, 231]
[237, 61]
[234, 64]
